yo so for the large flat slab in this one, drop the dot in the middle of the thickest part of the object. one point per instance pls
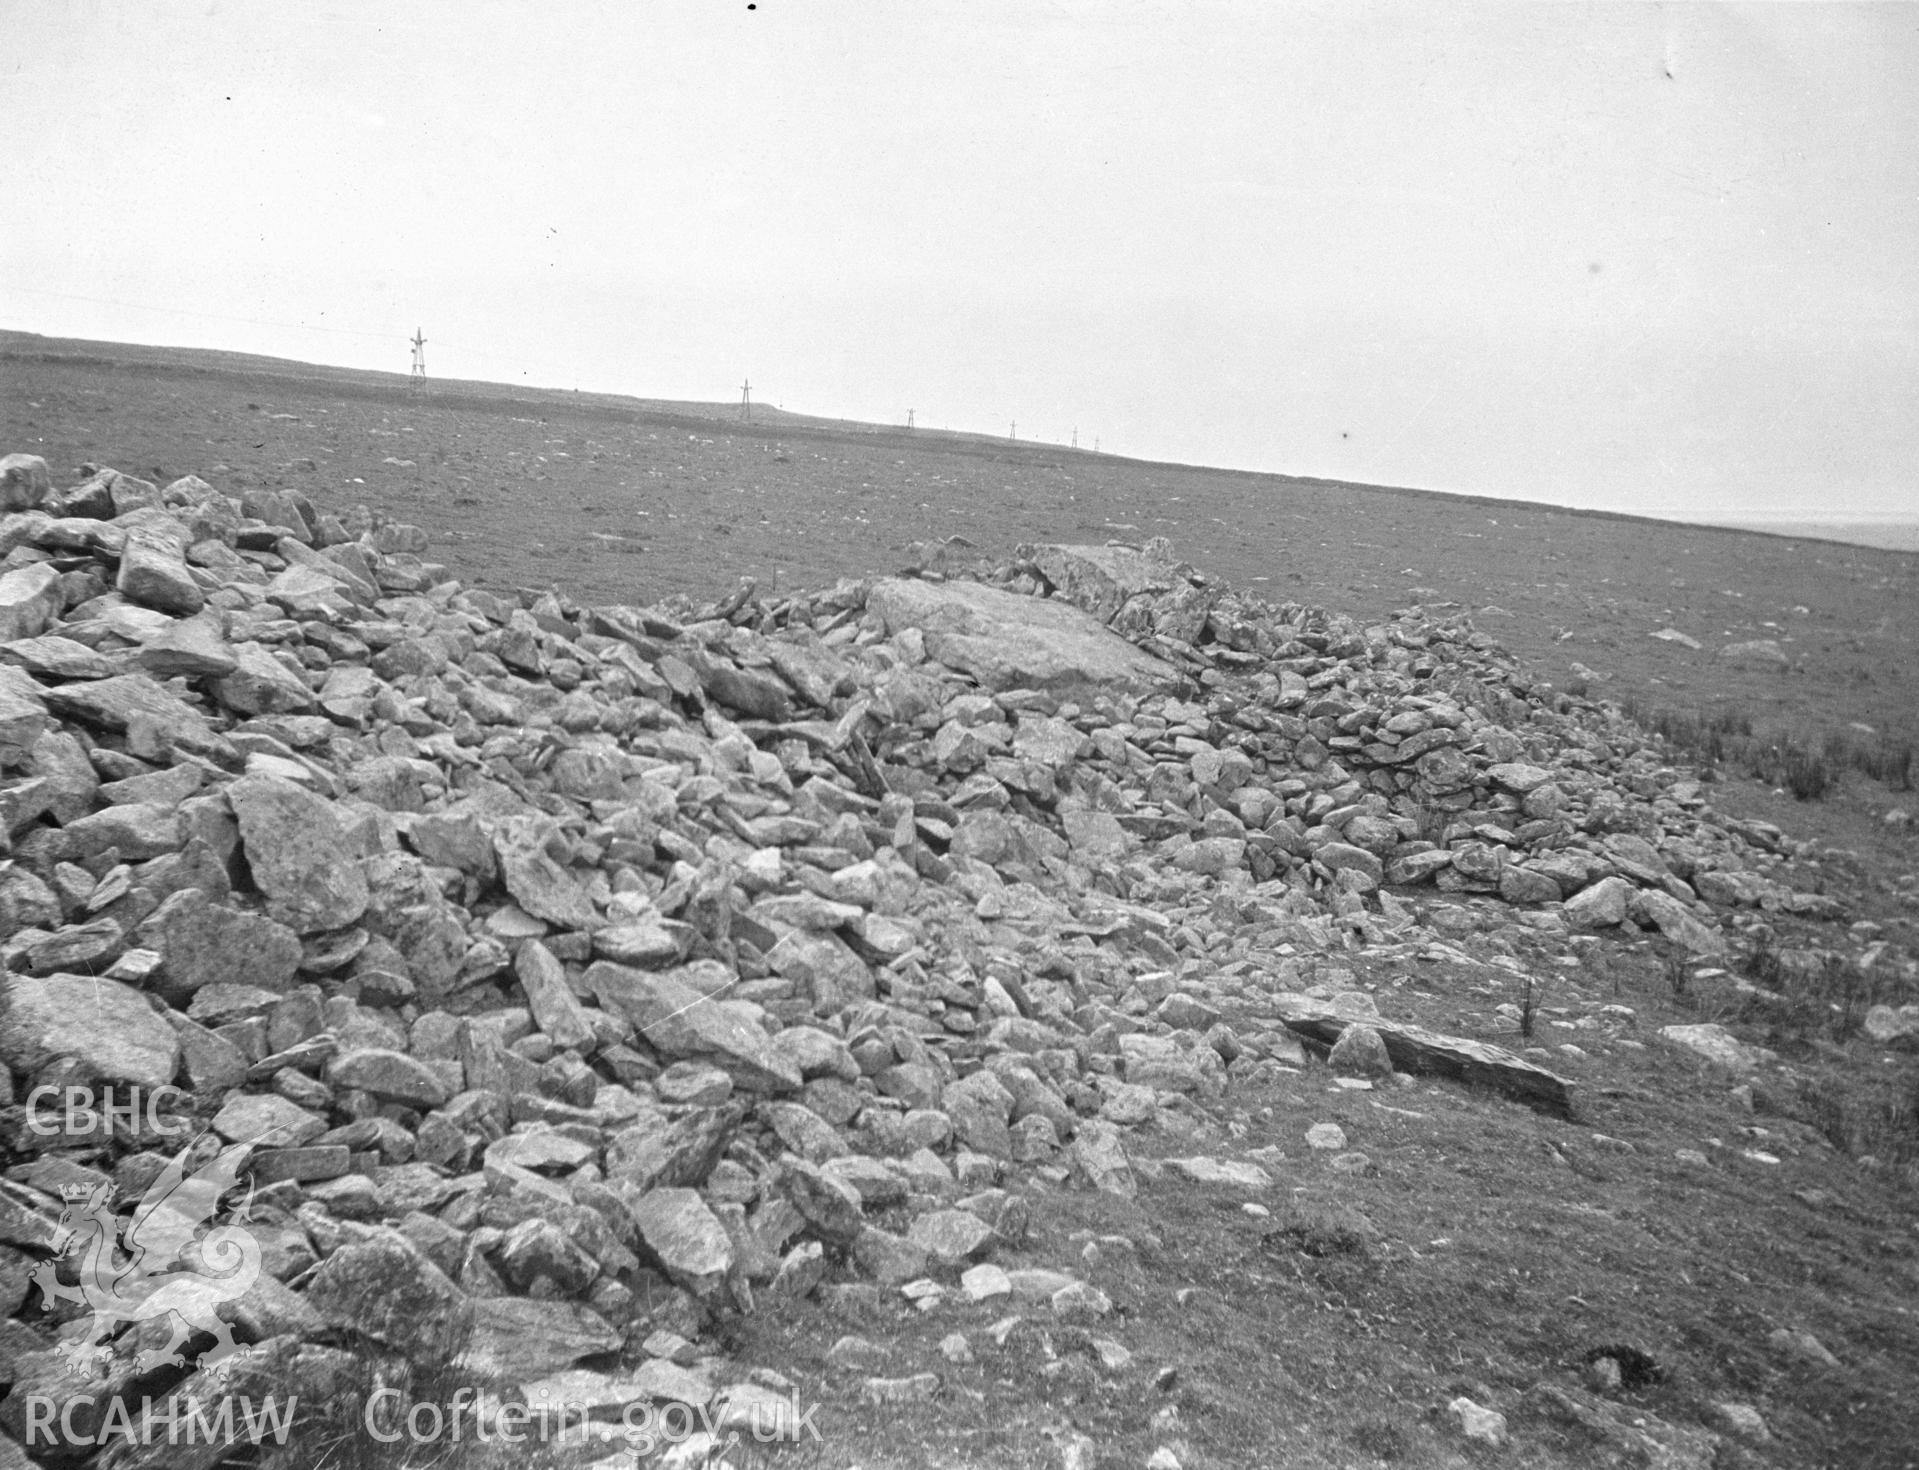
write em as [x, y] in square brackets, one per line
[679, 1018]
[1009, 641]
[1415, 1049]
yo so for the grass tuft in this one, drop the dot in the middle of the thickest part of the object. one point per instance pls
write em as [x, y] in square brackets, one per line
[1726, 738]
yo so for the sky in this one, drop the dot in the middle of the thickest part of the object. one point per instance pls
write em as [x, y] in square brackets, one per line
[1649, 258]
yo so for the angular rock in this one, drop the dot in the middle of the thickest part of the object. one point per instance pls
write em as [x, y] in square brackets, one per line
[1890, 1026]
[26, 901]
[1361, 1051]
[1102, 579]
[650, 943]
[746, 690]
[383, 1288]
[153, 570]
[210, 1061]
[1518, 777]
[678, 1153]
[517, 1337]
[1008, 641]
[951, 1237]
[23, 725]
[261, 685]
[111, 1029]
[678, 1020]
[138, 831]
[1096, 836]
[829, 1204]
[297, 851]
[693, 1084]
[538, 1256]
[267, 1118]
[201, 942]
[891, 1260]
[539, 884]
[1716, 1045]
[151, 715]
[1206, 1170]
[541, 1150]
[391, 1075]
[1676, 921]
[454, 839]
[1523, 885]
[1601, 906]
[800, 1272]
[1415, 1049]
[832, 974]
[817, 672]
[556, 1009]
[1100, 1158]
[803, 1131]
[1477, 1422]
[981, 1109]
[1345, 857]
[24, 481]
[684, 1235]
[30, 599]
[984, 1282]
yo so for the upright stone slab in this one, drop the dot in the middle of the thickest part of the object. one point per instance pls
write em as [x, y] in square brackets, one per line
[1101, 579]
[556, 1009]
[153, 571]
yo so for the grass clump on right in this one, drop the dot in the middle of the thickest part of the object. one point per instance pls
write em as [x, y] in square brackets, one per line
[1726, 738]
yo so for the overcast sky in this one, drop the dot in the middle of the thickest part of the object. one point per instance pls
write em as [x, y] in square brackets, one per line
[1652, 258]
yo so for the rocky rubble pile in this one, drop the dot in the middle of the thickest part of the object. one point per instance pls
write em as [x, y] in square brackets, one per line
[567, 979]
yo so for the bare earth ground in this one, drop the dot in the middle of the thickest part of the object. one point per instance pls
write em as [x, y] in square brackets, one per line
[1495, 1247]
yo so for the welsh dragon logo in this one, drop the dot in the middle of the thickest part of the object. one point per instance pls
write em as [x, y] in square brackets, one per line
[159, 1265]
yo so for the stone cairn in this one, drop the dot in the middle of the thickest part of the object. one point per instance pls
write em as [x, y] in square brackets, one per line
[571, 978]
